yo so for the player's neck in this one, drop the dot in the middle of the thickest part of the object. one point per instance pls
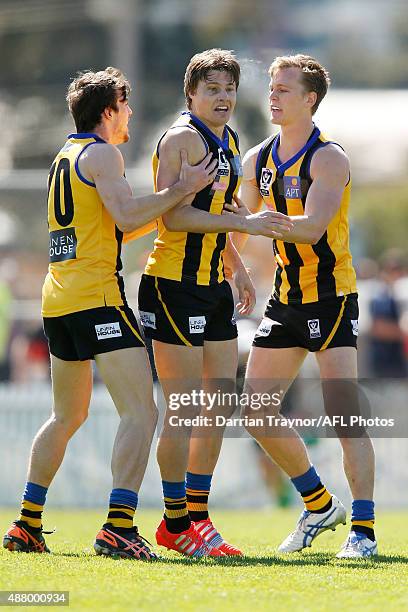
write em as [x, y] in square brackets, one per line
[216, 129]
[103, 132]
[293, 137]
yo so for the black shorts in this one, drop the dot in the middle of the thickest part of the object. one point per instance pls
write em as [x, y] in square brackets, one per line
[315, 326]
[82, 335]
[181, 312]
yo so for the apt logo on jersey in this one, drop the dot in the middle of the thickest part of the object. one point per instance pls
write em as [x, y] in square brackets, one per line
[314, 328]
[292, 188]
[354, 326]
[266, 181]
[197, 324]
[223, 165]
[108, 330]
[63, 243]
[148, 319]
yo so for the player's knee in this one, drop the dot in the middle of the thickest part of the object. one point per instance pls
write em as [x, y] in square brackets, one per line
[139, 411]
[70, 423]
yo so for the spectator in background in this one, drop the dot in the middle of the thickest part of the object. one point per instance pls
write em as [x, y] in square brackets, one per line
[386, 344]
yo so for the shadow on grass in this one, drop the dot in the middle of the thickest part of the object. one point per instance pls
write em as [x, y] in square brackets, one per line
[318, 559]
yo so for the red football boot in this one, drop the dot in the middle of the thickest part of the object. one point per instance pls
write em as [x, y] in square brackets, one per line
[188, 542]
[212, 537]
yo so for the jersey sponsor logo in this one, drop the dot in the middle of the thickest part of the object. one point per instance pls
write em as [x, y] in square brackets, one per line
[148, 319]
[108, 330]
[236, 165]
[223, 165]
[354, 325]
[197, 324]
[63, 243]
[265, 326]
[314, 328]
[291, 187]
[266, 181]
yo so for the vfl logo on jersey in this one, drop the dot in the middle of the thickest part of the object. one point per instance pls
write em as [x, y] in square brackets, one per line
[197, 324]
[314, 328]
[354, 325]
[223, 165]
[63, 243]
[291, 187]
[148, 319]
[266, 182]
[108, 330]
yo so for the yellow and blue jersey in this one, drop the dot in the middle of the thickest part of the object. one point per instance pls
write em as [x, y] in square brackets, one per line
[84, 241]
[305, 272]
[192, 256]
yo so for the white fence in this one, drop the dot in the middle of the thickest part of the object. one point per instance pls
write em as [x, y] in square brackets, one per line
[84, 479]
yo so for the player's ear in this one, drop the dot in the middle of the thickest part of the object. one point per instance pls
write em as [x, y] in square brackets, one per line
[108, 112]
[311, 98]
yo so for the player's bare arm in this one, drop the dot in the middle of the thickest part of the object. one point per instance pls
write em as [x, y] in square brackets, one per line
[185, 218]
[248, 193]
[330, 172]
[104, 165]
[235, 266]
[248, 206]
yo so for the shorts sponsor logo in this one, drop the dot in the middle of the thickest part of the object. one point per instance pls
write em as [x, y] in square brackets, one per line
[108, 330]
[354, 325]
[266, 181]
[314, 328]
[197, 324]
[63, 243]
[265, 327]
[233, 320]
[148, 319]
[291, 187]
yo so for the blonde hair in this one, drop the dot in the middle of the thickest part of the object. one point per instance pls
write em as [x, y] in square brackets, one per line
[315, 77]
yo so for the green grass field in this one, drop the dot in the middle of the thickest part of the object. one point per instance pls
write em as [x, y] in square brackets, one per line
[312, 580]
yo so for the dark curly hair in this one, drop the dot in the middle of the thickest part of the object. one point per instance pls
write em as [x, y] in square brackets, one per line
[91, 92]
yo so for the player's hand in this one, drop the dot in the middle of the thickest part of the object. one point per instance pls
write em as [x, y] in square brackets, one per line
[268, 223]
[246, 291]
[195, 178]
[228, 272]
[237, 208]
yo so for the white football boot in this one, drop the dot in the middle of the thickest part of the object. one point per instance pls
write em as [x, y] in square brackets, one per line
[312, 524]
[357, 546]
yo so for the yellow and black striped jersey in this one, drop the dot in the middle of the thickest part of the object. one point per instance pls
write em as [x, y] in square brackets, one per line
[305, 272]
[84, 242]
[190, 256]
